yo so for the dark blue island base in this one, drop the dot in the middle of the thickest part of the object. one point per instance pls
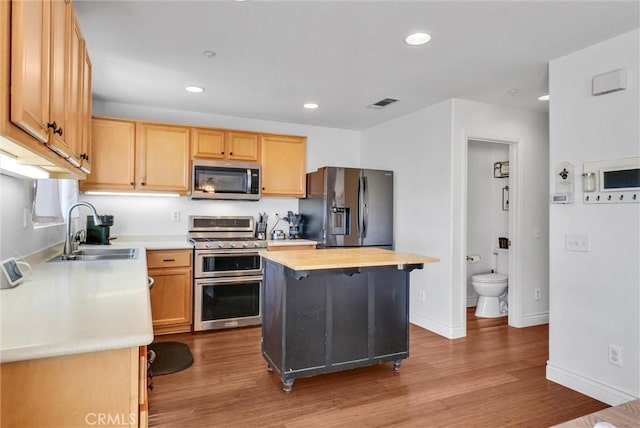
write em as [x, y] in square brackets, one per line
[322, 321]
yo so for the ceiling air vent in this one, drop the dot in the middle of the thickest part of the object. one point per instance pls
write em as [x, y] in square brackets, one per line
[382, 103]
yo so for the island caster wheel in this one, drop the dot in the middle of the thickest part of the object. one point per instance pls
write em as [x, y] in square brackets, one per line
[396, 365]
[269, 368]
[287, 385]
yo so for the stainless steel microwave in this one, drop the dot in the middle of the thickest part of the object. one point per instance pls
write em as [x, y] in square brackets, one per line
[212, 179]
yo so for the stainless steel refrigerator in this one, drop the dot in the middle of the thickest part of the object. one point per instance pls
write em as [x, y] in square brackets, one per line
[348, 207]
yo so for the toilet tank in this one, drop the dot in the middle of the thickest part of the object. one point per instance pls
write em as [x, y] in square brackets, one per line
[502, 260]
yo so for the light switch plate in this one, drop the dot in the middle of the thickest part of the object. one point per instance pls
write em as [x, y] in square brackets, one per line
[579, 243]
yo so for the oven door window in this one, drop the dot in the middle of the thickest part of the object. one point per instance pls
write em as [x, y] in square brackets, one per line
[220, 180]
[230, 300]
[231, 263]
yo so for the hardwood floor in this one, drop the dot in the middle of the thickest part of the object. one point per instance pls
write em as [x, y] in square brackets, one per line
[494, 377]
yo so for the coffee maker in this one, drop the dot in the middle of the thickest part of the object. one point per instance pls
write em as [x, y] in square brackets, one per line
[294, 224]
[99, 234]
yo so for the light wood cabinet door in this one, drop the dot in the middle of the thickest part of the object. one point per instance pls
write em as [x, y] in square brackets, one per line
[283, 160]
[207, 143]
[162, 158]
[30, 66]
[86, 140]
[113, 145]
[61, 13]
[242, 146]
[220, 144]
[171, 294]
[72, 390]
[73, 117]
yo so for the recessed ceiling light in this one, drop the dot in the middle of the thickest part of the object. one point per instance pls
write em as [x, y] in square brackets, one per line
[513, 91]
[544, 97]
[417, 39]
[194, 89]
[311, 106]
[209, 54]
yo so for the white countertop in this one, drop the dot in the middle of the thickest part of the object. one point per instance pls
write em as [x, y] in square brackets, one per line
[75, 307]
[287, 242]
[153, 242]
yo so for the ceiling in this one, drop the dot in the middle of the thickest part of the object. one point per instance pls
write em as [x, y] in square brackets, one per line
[274, 56]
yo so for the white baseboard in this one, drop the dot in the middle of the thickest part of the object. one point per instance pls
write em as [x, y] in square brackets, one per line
[472, 301]
[449, 332]
[535, 319]
[587, 386]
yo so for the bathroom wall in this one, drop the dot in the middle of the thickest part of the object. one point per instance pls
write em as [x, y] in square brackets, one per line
[486, 220]
[595, 295]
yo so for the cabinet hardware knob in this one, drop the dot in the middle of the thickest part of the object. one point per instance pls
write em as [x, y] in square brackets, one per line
[230, 153]
[53, 125]
[143, 184]
[263, 188]
[221, 153]
[132, 183]
[58, 131]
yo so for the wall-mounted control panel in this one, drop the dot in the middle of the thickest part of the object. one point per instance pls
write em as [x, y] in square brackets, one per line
[614, 181]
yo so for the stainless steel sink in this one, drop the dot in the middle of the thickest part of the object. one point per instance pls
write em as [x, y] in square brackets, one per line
[95, 254]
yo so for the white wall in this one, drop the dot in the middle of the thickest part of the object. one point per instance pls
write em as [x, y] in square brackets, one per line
[428, 152]
[595, 296]
[16, 240]
[417, 147]
[325, 146]
[528, 190]
[486, 220]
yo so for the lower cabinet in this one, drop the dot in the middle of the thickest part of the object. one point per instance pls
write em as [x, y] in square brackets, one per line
[172, 291]
[105, 388]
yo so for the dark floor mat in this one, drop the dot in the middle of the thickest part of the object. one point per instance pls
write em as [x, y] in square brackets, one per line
[170, 357]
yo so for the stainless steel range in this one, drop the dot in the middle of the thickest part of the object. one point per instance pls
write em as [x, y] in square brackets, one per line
[227, 272]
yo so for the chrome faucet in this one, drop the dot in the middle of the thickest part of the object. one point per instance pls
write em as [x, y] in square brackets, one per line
[66, 253]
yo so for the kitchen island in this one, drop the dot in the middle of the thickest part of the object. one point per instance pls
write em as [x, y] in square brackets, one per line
[335, 309]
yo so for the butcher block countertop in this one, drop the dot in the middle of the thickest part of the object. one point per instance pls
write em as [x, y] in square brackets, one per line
[339, 258]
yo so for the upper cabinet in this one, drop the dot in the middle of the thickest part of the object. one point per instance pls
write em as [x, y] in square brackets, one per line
[49, 84]
[162, 158]
[220, 144]
[282, 159]
[30, 66]
[136, 156]
[113, 156]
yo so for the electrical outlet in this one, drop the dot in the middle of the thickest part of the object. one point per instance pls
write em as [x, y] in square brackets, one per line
[579, 243]
[615, 355]
[423, 296]
[537, 294]
[175, 215]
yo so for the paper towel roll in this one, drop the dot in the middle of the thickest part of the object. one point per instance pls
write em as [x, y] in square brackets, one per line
[473, 259]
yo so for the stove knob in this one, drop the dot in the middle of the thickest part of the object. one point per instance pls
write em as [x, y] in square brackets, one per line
[207, 245]
[245, 245]
[256, 244]
[232, 245]
[220, 245]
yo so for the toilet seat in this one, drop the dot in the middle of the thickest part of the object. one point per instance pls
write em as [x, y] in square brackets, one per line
[493, 278]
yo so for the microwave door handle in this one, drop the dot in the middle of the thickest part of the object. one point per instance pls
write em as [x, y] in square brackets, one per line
[248, 180]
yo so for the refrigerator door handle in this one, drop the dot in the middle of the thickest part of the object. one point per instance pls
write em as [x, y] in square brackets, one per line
[365, 207]
[359, 219]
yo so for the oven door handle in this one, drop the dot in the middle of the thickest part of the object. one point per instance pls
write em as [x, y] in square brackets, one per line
[227, 280]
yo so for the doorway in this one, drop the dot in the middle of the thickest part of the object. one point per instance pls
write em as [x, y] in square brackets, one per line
[487, 216]
[512, 204]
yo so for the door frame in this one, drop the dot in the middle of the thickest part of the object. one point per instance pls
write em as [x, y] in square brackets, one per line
[459, 249]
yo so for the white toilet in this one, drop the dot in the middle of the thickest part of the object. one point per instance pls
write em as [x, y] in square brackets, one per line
[492, 287]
